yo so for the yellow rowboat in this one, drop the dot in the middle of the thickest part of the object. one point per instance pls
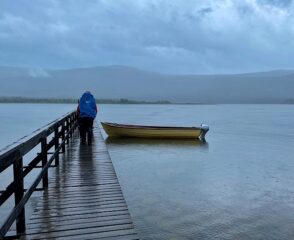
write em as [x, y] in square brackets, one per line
[123, 130]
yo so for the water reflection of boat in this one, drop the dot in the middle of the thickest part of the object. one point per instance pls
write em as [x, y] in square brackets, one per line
[139, 131]
[157, 142]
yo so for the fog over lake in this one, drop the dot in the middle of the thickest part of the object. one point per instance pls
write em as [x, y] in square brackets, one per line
[115, 82]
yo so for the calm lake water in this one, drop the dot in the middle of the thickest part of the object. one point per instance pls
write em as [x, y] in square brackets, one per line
[238, 185]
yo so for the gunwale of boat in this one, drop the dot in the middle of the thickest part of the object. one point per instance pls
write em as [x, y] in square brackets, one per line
[129, 126]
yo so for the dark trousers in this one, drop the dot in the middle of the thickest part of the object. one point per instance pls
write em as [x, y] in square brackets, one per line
[85, 127]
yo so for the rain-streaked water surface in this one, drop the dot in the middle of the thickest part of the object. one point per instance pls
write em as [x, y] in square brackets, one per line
[237, 185]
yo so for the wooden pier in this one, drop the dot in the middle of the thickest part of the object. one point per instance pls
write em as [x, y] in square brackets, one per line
[83, 199]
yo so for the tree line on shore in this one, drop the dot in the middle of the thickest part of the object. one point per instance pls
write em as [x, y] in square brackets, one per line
[74, 100]
[127, 101]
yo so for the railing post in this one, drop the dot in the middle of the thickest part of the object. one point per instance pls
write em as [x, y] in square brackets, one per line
[73, 123]
[63, 136]
[67, 130]
[56, 138]
[44, 160]
[77, 120]
[18, 194]
[70, 126]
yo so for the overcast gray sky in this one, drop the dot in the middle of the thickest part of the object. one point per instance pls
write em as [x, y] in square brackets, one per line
[173, 36]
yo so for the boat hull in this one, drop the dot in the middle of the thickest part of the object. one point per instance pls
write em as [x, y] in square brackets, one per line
[121, 130]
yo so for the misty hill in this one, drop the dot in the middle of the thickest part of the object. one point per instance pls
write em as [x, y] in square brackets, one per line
[115, 82]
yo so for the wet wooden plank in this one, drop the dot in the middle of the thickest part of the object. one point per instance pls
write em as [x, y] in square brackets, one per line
[96, 215]
[81, 233]
[84, 199]
[81, 220]
[60, 229]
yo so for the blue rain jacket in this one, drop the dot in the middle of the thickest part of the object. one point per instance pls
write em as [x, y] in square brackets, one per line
[88, 106]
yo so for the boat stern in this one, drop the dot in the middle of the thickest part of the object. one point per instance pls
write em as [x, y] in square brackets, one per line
[204, 130]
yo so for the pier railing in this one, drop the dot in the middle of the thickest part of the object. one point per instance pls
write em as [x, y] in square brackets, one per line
[62, 130]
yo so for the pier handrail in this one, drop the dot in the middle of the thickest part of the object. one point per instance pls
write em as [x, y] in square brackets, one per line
[12, 156]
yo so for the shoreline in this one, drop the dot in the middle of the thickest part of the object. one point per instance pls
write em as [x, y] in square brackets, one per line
[7, 100]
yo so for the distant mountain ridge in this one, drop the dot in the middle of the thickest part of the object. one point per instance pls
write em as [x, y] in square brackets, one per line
[116, 82]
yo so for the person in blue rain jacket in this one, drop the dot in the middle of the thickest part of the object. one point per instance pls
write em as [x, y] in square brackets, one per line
[86, 111]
